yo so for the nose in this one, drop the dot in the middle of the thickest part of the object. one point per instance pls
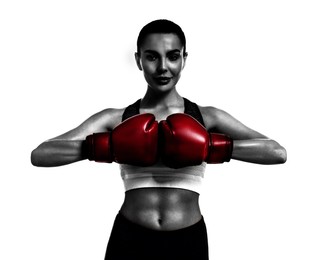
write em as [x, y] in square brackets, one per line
[162, 66]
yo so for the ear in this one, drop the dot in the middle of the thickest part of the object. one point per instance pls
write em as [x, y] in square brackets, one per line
[185, 58]
[138, 60]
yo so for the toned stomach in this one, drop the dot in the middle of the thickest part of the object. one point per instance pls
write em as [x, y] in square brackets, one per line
[161, 208]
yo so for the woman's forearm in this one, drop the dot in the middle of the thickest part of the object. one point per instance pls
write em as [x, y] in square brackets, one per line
[57, 153]
[261, 151]
[62, 152]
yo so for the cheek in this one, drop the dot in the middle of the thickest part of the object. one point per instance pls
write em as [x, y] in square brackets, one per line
[176, 68]
[148, 68]
[148, 72]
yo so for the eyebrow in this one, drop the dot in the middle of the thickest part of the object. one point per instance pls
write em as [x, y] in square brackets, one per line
[155, 52]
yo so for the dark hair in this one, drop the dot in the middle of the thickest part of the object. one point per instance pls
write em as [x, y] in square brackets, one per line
[161, 26]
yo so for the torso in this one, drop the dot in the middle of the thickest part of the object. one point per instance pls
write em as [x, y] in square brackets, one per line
[161, 209]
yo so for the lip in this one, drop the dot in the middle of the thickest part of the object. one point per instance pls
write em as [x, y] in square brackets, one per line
[163, 80]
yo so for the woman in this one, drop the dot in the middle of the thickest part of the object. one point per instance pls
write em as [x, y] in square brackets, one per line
[162, 143]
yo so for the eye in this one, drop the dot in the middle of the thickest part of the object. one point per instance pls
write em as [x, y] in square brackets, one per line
[174, 57]
[150, 57]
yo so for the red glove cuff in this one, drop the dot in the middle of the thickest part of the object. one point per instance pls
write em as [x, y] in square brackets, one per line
[220, 148]
[98, 147]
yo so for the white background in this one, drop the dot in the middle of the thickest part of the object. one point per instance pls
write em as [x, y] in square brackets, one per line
[62, 61]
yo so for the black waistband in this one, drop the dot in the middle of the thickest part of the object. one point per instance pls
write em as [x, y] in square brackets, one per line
[191, 109]
[134, 242]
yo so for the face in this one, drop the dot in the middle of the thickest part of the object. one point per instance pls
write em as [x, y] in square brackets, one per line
[162, 60]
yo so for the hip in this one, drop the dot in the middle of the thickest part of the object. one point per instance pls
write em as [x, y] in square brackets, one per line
[132, 241]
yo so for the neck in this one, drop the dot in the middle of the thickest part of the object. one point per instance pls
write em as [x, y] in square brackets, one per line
[152, 99]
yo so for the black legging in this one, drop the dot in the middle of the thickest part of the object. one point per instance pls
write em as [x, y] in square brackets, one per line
[129, 241]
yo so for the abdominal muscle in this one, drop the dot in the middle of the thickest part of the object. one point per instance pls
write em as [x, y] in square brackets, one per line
[162, 209]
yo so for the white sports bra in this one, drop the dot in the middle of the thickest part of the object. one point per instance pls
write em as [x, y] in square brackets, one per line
[160, 176]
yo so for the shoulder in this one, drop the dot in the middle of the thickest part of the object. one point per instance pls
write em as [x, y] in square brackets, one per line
[102, 121]
[220, 121]
[106, 119]
[111, 117]
[212, 116]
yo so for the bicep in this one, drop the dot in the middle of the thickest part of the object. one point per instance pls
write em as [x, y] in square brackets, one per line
[99, 122]
[223, 122]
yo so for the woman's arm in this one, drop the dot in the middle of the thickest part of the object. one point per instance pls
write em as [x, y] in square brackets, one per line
[261, 151]
[69, 147]
[248, 145]
[58, 153]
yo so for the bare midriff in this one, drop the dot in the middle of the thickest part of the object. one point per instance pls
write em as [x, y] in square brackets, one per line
[162, 209]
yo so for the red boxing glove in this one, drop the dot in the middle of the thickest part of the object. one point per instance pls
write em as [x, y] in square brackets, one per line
[134, 141]
[186, 142]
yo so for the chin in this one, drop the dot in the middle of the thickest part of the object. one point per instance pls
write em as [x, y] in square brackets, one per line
[162, 88]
